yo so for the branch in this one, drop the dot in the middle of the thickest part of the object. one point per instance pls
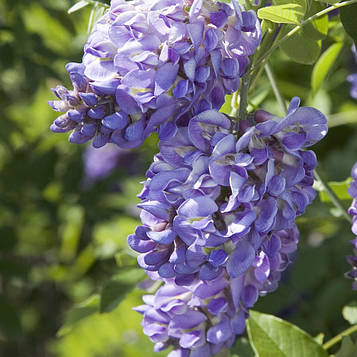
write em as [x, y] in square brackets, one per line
[338, 338]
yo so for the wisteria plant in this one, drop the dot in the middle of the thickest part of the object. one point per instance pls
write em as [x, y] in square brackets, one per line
[220, 199]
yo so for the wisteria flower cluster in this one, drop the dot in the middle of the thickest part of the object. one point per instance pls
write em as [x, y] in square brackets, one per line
[218, 214]
[220, 199]
[151, 65]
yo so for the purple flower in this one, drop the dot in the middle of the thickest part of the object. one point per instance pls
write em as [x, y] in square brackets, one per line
[352, 259]
[152, 65]
[88, 114]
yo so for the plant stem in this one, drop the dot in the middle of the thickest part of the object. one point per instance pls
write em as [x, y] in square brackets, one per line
[338, 338]
[276, 90]
[298, 27]
[334, 199]
[243, 95]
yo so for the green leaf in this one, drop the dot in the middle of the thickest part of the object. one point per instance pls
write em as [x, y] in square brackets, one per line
[348, 348]
[305, 46]
[274, 337]
[339, 188]
[227, 105]
[282, 14]
[301, 48]
[318, 28]
[117, 288]
[302, 3]
[324, 64]
[348, 16]
[349, 312]
[79, 5]
[78, 313]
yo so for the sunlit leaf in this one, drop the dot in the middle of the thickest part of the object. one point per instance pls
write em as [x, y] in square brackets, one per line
[282, 14]
[324, 65]
[118, 334]
[339, 188]
[302, 3]
[274, 337]
[79, 5]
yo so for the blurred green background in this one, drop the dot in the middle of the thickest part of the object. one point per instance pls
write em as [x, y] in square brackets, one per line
[62, 240]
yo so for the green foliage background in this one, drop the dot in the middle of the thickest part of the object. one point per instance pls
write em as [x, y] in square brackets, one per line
[61, 243]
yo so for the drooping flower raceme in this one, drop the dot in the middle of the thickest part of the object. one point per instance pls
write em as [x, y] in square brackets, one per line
[352, 259]
[152, 65]
[214, 206]
[201, 318]
[218, 209]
